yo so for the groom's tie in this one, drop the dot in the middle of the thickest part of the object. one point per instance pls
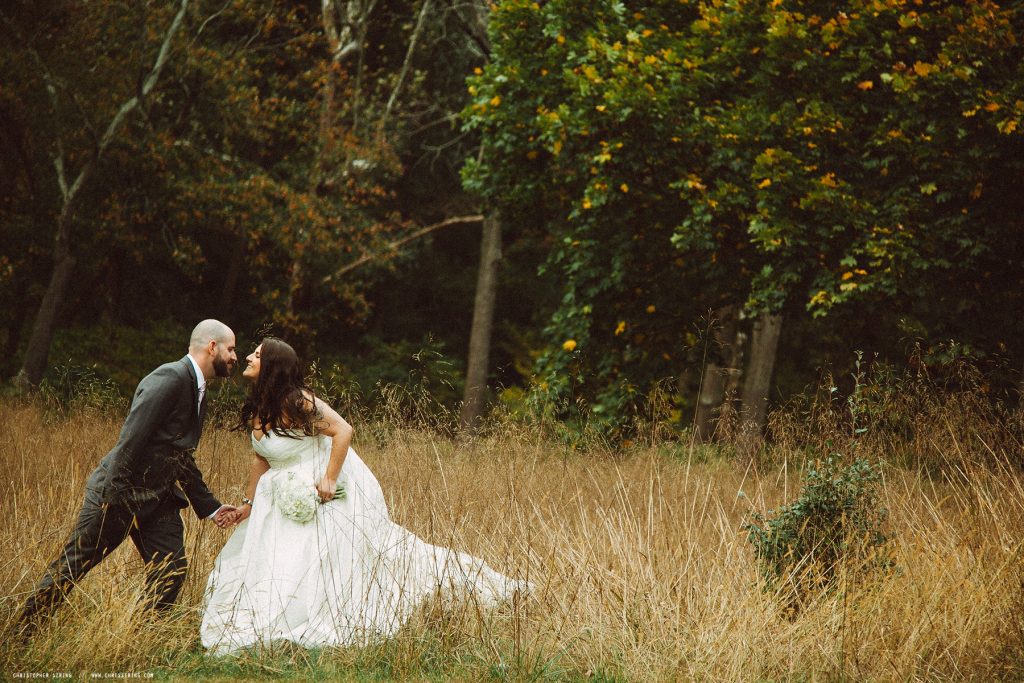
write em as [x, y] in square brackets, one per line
[202, 393]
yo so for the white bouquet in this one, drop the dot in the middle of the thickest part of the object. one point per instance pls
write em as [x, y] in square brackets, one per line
[297, 500]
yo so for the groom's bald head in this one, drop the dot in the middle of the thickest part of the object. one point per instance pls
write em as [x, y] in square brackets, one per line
[212, 345]
[207, 331]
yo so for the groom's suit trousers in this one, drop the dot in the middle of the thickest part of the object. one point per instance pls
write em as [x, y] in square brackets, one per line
[156, 530]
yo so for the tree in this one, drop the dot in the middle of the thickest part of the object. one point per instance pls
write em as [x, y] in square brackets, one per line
[71, 186]
[793, 157]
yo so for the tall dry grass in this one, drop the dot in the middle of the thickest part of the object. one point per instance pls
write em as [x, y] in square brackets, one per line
[642, 570]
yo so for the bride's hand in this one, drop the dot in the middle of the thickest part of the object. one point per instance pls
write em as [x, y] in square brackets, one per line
[326, 488]
[241, 513]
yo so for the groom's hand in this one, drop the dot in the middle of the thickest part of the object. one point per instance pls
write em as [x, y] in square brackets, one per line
[224, 516]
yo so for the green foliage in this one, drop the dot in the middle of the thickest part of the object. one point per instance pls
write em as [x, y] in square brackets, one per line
[77, 388]
[788, 156]
[122, 353]
[834, 528]
[412, 383]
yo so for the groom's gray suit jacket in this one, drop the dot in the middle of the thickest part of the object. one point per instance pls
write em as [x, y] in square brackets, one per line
[154, 454]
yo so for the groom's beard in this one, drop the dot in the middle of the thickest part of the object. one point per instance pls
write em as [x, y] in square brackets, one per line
[221, 367]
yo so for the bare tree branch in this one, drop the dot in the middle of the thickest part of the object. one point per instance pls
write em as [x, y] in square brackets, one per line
[208, 19]
[58, 158]
[392, 248]
[475, 27]
[420, 21]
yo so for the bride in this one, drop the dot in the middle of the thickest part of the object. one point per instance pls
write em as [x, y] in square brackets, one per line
[316, 559]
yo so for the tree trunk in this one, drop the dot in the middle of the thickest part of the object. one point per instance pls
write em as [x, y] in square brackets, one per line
[15, 329]
[763, 345]
[716, 373]
[38, 350]
[483, 321]
[709, 402]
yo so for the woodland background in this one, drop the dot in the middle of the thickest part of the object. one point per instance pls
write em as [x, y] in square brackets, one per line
[595, 211]
[597, 232]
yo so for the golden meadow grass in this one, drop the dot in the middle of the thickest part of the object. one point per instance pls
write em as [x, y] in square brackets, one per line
[642, 570]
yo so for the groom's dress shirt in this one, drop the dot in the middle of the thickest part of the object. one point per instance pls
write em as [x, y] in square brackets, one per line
[201, 391]
[200, 381]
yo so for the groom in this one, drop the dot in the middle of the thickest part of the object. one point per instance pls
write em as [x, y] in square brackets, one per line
[139, 488]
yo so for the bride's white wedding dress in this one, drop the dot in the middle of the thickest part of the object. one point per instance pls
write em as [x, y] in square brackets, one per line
[348, 576]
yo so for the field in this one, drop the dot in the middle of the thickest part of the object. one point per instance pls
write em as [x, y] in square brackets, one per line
[642, 568]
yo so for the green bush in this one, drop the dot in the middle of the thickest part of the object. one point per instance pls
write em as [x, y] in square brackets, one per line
[72, 388]
[836, 523]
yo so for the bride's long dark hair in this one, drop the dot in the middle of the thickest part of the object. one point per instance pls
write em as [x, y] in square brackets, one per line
[280, 399]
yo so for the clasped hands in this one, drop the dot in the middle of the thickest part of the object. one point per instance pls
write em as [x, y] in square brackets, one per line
[229, 515]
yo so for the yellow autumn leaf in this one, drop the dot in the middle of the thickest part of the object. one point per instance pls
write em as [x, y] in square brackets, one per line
[496, 100]
[600, 107]
[620, 328]
[478, 71]
[829, 180]
[624, 187]
[992, 106]
[694, 183]
[560, 39]
[651, 309]
[866, 85]
[847, 275]
[569, 345]
[587, 204]
[764, 183]
[922, 69]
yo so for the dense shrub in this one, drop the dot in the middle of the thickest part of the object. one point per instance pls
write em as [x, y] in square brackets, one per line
[836, 523]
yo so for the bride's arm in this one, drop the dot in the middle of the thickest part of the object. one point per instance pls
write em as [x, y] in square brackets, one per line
[256, 469]
[340, 431]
